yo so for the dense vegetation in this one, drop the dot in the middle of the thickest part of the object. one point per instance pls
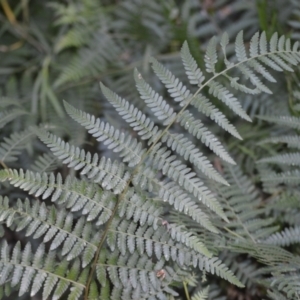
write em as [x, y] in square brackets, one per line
[150, 149]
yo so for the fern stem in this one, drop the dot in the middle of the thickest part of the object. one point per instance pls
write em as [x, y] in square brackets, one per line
[186, 291]
[3, 165]
[135, 171]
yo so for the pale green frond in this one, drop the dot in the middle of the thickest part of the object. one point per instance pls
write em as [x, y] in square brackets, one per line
[211, 57]
[240, 50]
[140, 209]
[255, 80]
[162, 159]
[181, 201]
[201, 132]
[291, 178]
[158, 243]
[180, 234]
[35, 273]
[11, 147]
[192, 70]
[259, 68]
[247, 219]
[204, 105]
[57, 226]
[144, 126]
[184, 147]
[292, 141]
[111, 176]
[45, 163]
[175, 87]
[201, 295]
[129, 271]
[285, 238]
[254, 44]
[74, 194]
[288, 121]
[222, 93]
[241, 87]
[263, 44]
[246, 271]
[161, 109]
[131, 150]
[287, 283]
[291, 159]
[215, 266]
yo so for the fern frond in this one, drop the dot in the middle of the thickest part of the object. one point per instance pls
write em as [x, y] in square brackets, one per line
[44, 163]
[35, 273]
[92, 59]
[211, 57]
[11, 147]
[55, 226]
[176, 89]
[288, 121]
[131, 272]
[136, 119]
[222, 93]
[111, 176]
[75, 195]
[292, 141]
[189, 151]
[131, 150]
[287, 283]
[272, 178]
[201, 295]
[198, 130]
[204, 106]
[145, 240]
[284, 238]
[162, 111]
[247, 220]
[8, 115]
[181, 201]
[158, 105]
[291, 159]
[192, 70]
[162, 159]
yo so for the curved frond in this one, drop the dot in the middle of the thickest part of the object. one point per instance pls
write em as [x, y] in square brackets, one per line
[111, 176]
[131, 150]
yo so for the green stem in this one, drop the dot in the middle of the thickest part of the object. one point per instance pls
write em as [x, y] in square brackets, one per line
[186, 291]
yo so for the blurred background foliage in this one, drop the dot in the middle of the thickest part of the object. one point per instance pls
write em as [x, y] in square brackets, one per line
[59, 50]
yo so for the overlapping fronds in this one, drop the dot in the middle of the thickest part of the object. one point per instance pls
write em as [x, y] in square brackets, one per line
[112, 176]
[247, 219]
[131, 150]
[39, 272]
[109, 229]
